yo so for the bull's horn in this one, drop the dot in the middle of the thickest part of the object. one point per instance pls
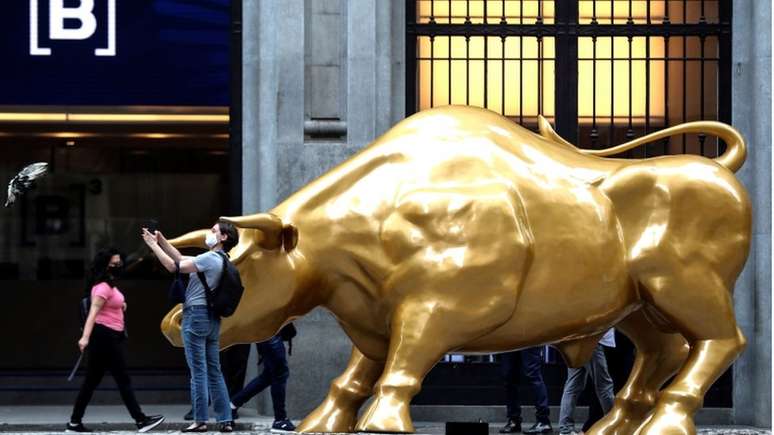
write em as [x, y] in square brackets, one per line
[266, 222]
[194, 239]
[276, 234]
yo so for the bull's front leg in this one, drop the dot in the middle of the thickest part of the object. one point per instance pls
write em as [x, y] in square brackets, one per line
[338, 411]
[421, 333]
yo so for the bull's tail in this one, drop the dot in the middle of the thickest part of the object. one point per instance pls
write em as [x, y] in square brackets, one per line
[732, 158]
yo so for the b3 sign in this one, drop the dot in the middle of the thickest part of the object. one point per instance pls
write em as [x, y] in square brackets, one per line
[82, 16]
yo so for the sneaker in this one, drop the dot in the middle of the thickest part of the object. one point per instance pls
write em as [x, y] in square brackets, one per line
[77, 427]
[511, 426]
[234, 414]
[149, 423]
[283, 426]
[540, 427]
[196, 427]
[189, 415]
[227, 426]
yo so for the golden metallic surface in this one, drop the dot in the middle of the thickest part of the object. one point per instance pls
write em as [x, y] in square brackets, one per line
[460, 231]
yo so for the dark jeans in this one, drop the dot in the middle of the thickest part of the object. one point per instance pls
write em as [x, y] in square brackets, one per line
[275, 374]
[233, 363]
[530, 362]
[106, 351]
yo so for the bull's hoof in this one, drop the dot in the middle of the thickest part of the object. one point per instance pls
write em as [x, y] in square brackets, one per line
[386, 414]
[615, 426]
[328, 418]
[671, 422]
[617, 422]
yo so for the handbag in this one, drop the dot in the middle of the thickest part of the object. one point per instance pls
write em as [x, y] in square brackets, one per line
[177, 288]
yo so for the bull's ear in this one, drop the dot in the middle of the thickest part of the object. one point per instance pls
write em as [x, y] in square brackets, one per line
[268, 224]
[289, 237]
[194, 239]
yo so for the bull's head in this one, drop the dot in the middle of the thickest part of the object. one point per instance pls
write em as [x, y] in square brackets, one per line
[273, 273]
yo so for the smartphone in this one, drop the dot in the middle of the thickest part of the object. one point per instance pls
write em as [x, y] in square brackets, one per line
[151, 224]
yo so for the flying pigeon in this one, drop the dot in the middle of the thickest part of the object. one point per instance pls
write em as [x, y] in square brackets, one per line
[23, 180]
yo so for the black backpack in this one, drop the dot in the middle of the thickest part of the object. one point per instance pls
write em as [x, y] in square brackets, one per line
[224, 298]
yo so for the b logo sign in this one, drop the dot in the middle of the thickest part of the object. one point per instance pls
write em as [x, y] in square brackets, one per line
[83, 15]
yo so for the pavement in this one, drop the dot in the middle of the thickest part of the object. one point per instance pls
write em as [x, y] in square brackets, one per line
[116, 420]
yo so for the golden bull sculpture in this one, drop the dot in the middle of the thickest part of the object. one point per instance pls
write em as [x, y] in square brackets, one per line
[460, 231]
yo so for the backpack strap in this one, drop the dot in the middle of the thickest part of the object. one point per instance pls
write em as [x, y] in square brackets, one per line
[203, 279]
[224, 257]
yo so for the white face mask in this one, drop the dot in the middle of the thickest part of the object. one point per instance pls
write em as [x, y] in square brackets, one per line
[211, 240]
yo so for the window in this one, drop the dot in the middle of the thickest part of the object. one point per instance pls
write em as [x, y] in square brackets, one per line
[604, 71]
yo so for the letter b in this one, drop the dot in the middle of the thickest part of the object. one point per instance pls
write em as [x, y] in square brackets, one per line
[83, 13]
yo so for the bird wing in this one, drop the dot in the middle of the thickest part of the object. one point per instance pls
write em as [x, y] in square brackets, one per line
[32, 172]
[23, 180]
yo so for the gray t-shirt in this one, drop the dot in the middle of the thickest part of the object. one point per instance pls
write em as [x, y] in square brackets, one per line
[211, 263]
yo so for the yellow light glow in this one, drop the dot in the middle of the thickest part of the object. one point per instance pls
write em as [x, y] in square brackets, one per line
[144, 117]
[616, 80]
[451, 71]
[33, 116]
[68, 135]
[111, 117]
[470, 78]
[516, 11]
[155, 135]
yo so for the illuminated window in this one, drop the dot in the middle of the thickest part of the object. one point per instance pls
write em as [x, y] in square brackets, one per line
[603, 71]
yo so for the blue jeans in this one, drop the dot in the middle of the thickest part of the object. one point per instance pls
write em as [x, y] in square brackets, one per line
[275, 374]
[530, 362]
[576, 382]
[200, 339]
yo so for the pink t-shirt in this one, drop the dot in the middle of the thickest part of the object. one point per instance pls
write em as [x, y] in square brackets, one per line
[112, 313]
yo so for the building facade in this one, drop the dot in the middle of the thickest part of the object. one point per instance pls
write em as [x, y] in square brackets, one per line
[322, 79]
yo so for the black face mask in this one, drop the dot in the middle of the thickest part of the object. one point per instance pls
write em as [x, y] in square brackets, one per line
[115, 271]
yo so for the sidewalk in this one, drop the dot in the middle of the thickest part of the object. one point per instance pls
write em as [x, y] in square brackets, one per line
[115, 419]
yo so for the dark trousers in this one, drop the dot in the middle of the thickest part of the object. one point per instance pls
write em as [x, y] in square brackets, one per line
[233, 362]
[275, 375]
[530, 362]
[106, 351]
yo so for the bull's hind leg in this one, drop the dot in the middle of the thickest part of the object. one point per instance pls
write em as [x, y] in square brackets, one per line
[698, 304]
[659, 356]
[338, 411]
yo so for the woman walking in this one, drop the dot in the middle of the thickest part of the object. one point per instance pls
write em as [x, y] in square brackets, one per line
[105, 342]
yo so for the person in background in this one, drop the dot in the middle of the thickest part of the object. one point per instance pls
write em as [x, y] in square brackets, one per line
[596, 368]
[620, 360]
[530, 362]
[275, 374]
[104, 340]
